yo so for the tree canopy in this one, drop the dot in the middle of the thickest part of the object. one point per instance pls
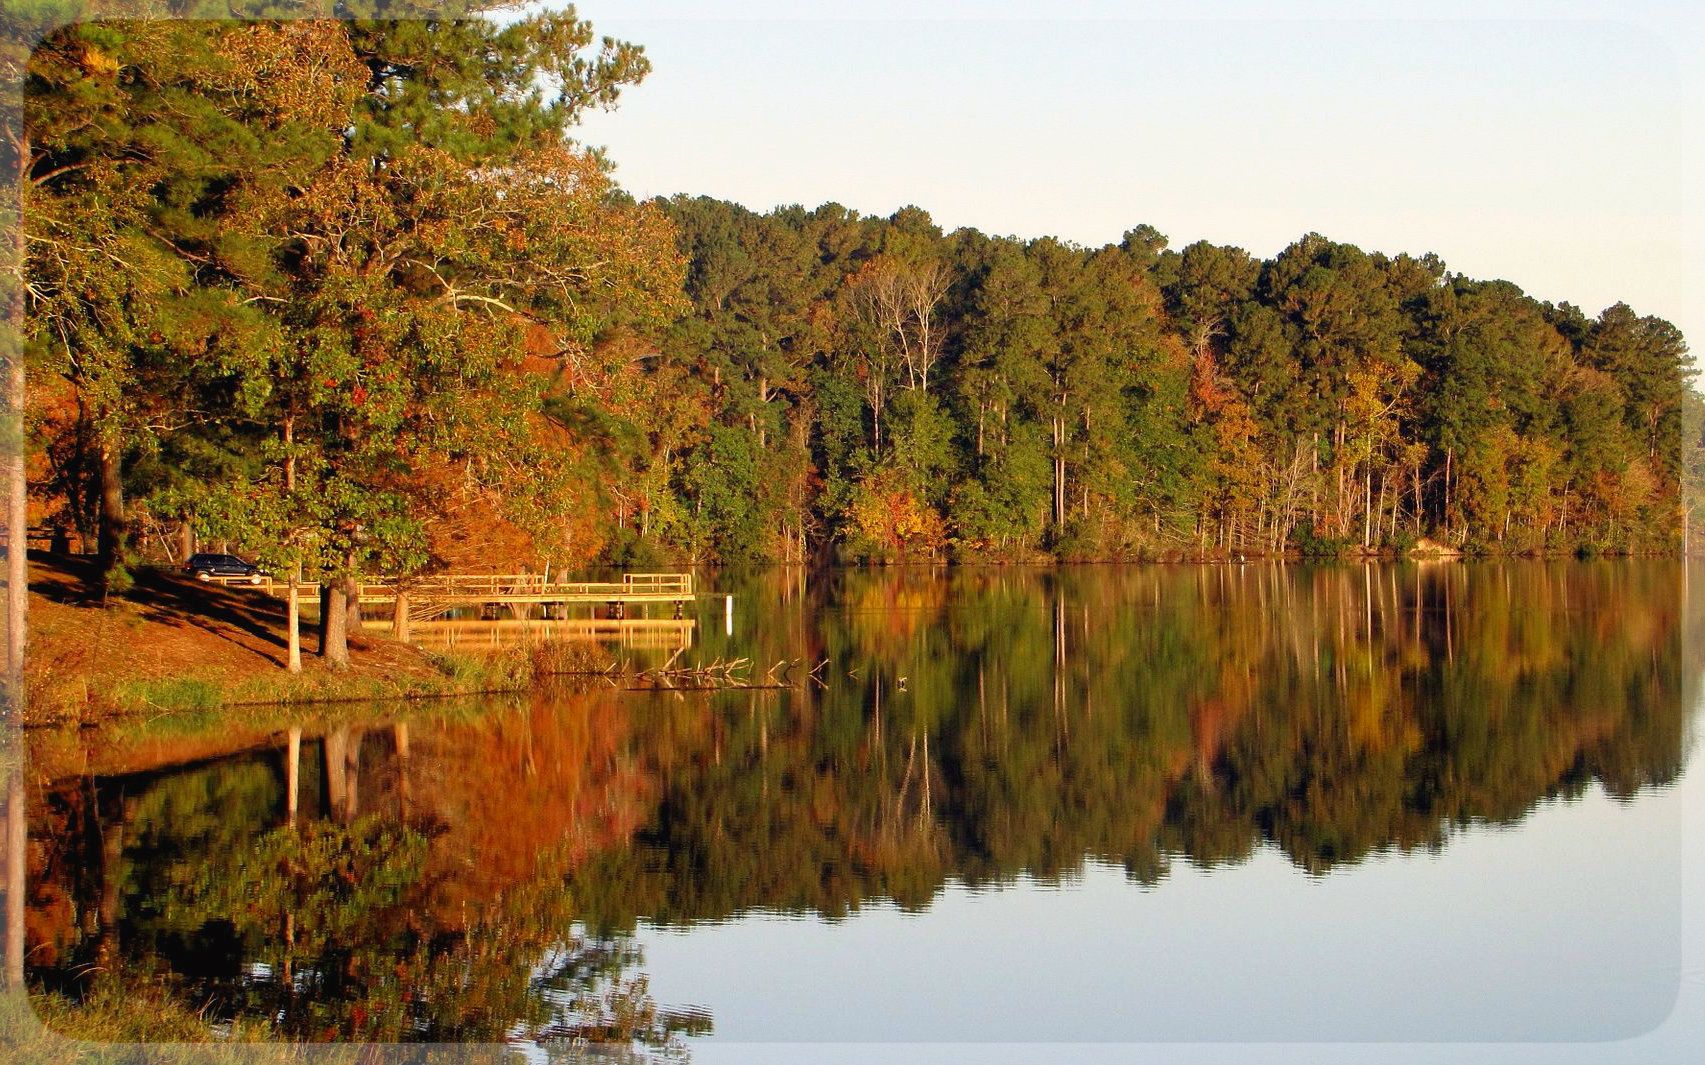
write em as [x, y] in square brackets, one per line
[346, 293]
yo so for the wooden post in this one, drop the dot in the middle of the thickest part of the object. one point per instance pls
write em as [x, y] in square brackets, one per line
[293, 620]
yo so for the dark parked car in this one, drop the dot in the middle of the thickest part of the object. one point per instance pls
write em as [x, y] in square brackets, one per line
[207, 567]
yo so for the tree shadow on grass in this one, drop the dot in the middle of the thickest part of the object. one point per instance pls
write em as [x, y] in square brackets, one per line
[171, 600]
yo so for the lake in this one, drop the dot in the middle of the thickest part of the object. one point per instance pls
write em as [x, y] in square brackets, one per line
[970, 811]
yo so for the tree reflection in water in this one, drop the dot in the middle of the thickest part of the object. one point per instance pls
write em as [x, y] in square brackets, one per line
[476, 875]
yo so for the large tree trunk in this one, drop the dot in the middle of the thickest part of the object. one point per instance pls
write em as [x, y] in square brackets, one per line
[352, 605]
[1059, 474]
[334, 619]
[293, 612]
[1446, 515]
[12, 432]
[113, 530]
[1417, 499]
[17, 531]
[1367, 504]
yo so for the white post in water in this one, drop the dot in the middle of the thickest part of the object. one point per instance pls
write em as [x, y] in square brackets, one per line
[728, 614]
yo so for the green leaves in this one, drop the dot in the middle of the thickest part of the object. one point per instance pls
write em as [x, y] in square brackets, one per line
[481, 89]
[376, 233]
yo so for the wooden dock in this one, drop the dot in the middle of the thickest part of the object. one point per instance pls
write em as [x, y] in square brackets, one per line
[425, 598]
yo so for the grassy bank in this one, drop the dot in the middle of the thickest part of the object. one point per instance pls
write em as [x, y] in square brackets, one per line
[141, 1025]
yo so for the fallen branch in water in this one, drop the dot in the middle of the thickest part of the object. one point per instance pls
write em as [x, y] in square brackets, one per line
[734, 674]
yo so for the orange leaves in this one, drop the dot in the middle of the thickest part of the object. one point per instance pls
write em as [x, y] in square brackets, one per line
[1209, 393]
[294, 71]
[97, 63]
[893, 521]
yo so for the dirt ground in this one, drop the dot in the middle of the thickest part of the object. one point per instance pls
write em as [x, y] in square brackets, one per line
[168, 627]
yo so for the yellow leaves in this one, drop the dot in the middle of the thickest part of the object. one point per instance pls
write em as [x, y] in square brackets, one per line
[1377, 389]
[892, 519]
[96, 63]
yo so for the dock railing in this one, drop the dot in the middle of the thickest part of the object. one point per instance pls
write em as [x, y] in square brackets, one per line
[515, 587]
[658, 583]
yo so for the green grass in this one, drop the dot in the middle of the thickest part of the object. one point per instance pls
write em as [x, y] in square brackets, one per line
[184, 694]
[189, 705]
[452, 674]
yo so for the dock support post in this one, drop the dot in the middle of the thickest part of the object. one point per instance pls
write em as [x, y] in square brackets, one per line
[728, 614]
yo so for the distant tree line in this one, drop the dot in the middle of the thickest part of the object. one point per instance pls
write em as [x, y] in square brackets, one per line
[345, 294]
[876, 389]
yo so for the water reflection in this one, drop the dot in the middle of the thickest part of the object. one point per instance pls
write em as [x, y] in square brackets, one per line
[413, 890]
[625, 634]
[479, 872]
[995, 722]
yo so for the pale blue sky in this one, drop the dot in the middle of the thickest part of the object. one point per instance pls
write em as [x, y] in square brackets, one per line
[1561, 152]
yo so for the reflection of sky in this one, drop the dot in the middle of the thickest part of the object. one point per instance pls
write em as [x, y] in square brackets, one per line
[1563, 928]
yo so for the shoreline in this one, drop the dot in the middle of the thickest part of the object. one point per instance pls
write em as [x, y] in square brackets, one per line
[216, 650]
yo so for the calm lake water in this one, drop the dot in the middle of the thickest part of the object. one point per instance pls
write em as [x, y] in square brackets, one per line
[1415, 803]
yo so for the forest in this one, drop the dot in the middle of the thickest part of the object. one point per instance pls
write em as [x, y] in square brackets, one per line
[346, 295]
[885, 390]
